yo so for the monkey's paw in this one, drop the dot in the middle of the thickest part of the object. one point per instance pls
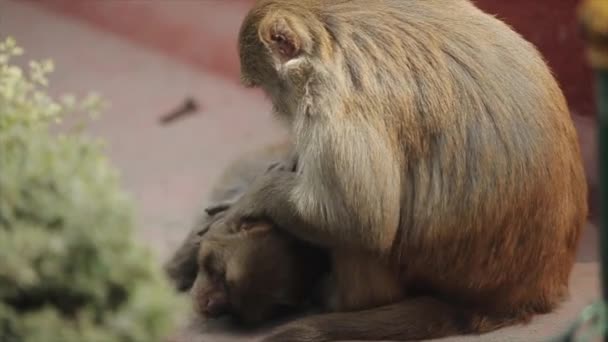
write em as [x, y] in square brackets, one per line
[296, 333]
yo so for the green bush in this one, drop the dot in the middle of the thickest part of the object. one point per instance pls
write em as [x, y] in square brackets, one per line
[69, 268]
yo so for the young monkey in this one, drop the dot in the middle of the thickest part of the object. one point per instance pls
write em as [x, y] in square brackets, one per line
[256, 274]
[231, 184]
[253, 274]
[437, 160]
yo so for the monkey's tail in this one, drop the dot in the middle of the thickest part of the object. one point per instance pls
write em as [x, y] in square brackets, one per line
[413, 319]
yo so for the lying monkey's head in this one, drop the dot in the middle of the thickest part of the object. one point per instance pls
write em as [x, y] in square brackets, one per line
[254, 274]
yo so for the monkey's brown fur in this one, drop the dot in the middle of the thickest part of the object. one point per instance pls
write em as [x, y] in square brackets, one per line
[252, 274]
[435, 151]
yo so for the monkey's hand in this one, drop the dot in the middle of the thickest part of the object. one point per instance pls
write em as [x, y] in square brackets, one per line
[266, 200]
[269, 199]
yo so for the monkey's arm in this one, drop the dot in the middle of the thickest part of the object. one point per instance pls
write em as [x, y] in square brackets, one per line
[348, 196]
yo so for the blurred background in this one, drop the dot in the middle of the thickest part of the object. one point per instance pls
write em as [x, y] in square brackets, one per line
[146, 57]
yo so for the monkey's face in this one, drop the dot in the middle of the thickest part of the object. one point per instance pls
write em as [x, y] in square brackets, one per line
[250, 275]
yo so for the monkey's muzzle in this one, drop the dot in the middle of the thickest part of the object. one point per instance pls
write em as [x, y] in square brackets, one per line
[216, 306]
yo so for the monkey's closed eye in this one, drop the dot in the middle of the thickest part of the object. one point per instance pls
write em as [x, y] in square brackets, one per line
[210, 267]
[286, 47]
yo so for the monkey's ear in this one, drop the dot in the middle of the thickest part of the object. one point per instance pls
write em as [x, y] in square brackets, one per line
[285, 44]
[283, 37]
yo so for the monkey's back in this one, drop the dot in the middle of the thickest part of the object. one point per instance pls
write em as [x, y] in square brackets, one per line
[493, 189]
[493, 195]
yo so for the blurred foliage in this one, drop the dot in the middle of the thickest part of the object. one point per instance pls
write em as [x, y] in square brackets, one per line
[69, 268]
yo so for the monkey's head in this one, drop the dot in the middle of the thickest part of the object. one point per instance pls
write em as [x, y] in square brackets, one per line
[281, 45]
[254, 274]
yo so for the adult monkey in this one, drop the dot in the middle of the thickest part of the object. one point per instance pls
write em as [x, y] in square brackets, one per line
[436, 158]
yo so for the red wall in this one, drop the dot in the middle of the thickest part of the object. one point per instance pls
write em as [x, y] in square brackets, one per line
[552, 26]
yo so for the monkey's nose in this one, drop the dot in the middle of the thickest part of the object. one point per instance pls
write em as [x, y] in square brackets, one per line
[216, 306]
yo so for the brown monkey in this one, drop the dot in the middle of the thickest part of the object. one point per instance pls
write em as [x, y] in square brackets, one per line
[253, 274]
[436, 158]
[256, 274]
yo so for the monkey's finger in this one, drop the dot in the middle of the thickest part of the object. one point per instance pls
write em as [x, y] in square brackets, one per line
[275, 165]
[217, 208]
[203, 231]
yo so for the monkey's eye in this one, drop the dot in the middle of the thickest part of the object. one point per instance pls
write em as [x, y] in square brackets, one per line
[286, 47]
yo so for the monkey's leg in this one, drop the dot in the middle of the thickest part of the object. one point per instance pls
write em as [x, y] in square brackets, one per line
[412, 319]
[362, 281]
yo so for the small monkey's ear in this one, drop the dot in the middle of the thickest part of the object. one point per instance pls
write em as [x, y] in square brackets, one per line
[282, 36]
